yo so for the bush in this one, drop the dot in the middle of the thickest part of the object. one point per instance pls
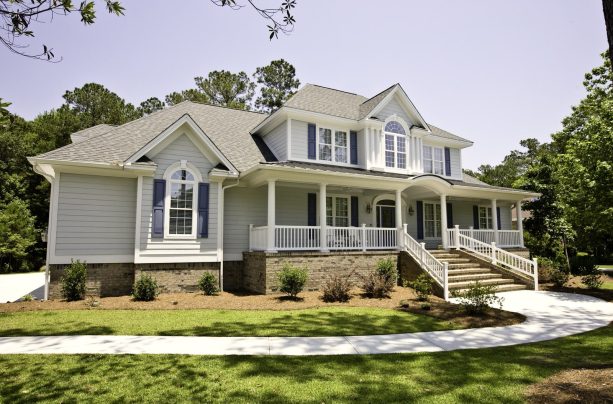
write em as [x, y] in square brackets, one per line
[27, 298]
[73, 281]
[546, 267]
[559, 276]
[336, 289]
[582, 265]
[292, 280]
[208, 284]
[592, 279]
[145, 288]
[381, 281]
[425, 306]
[477, 298]
[387, 269]
[423, 287]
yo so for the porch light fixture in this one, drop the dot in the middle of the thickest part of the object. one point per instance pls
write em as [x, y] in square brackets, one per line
[368, 208]
[411, 211]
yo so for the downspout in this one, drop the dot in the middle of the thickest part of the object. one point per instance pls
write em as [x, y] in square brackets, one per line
[221, 219]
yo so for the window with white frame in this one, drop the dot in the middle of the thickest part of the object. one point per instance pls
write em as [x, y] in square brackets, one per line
[395, 145]
[337, 211]
[434, 162]
[182, 189]
[485, 218]
[432, 220]
[333, 145]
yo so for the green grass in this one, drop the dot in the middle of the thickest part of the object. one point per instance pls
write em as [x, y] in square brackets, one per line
[310, 322]
[483, 375]
[605, 266]
[607, 285]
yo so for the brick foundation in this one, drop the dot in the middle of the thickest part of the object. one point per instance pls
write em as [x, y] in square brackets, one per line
[177, 277]
[409, 270]
[233, 275]
[102, 279]
[261, 269]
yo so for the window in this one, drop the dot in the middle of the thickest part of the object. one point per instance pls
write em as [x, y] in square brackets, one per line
[433, 160]
[333, 145]
[485, 218]
[395, 145]
[337, 211]
[182, 197]
[432, 220]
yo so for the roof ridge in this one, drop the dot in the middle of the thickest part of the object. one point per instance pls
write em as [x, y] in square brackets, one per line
[334, 89]
[224, 107]
[379, 93]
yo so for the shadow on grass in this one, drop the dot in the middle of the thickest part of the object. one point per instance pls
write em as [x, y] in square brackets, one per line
[483, 375]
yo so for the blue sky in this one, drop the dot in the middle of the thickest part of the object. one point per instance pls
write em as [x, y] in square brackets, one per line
[495, 72]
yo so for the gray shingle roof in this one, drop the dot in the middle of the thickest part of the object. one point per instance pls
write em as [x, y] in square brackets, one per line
[227, 128]
[327, 101]
[367, 106]
[447, 135]
[90, 132]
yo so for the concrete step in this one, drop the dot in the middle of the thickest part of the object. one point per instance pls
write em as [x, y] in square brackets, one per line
[454, 260]
[473, 277]
[502, 288]
[469, 270]
[465, 284]
[463, 265]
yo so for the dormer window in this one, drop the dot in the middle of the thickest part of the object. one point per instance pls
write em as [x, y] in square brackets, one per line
[395, 145]
[433, 160]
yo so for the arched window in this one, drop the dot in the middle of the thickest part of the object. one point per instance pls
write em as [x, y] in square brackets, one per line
[395, 145]
[182, 210]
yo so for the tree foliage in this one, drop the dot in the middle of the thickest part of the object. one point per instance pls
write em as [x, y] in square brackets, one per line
[278, 82]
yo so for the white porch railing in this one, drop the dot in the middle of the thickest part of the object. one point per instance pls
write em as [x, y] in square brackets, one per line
[439, 271]
[496, 255]
[506, 238]
[304, 238]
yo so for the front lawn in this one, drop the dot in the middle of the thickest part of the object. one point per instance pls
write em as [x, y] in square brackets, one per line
[309, 322]
[481, 375]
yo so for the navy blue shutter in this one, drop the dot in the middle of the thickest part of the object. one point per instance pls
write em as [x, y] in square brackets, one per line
[449, 215]
[312, 210]
[498, 217]
[203, 210]
[447, 162]
[475, 217]
[159, 193]
[420, 220]
[311, 142]
[353, 146]
[354, 211]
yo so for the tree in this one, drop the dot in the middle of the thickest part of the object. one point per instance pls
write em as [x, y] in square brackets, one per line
[4, 113]
[279, 19]
[95, 104]
[18, 236]
[607, 9]
[278, 82]
[221, 87]
[150, 106]
[18, 16]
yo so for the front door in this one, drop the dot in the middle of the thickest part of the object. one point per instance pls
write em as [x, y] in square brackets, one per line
[386, 214]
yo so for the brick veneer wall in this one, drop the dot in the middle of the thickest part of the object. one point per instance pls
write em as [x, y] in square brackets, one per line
[177, 277]
[102, 279]
[261, 269]
[409, 270]
[233, 275]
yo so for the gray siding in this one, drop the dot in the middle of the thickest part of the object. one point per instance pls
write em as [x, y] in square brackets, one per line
[243, 206]
[96, 215]
[181, 149]
[299, 140]
[276, 140]
[391, 108]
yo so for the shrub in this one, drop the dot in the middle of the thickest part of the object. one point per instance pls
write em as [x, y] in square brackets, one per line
[387, 269]
[404, 303]
[336, 289]
[27, 298]
[546, 267]
[559, 276]
[425, 306]
[208, 284]
[145, 288]
[477, 297]
[423, 287]
[292, 279]
[583, 265]
[592, 279]
[73, 281]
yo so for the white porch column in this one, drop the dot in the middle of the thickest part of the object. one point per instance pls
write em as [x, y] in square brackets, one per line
[495, 221]
[399, 218]
[444, 221]
[270, 243]
[520, 222]
[323, 240]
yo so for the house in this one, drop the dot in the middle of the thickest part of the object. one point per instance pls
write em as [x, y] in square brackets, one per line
[332, 180]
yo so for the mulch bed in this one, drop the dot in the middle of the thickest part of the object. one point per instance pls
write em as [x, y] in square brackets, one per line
[243, 301]
[574, 285]
[574, 386]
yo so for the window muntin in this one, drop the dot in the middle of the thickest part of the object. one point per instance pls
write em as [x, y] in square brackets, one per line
[182, 203]
[485, 218]
[395, 145]
[337, 211]
[325, 144]
[433, 160]
[432, 220]
[340, 146]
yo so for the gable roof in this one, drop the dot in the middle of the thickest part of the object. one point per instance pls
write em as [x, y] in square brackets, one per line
[324, 100]
[227, 128]
[85, 134]
[367, 106]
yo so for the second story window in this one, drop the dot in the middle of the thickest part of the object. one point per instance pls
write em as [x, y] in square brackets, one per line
[433, 160]
[333, 148]
[395, 145]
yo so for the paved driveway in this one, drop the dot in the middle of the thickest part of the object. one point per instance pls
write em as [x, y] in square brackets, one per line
[15, 286]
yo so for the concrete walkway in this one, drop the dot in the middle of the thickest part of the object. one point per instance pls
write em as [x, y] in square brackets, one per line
[550, 315]
[15, 286]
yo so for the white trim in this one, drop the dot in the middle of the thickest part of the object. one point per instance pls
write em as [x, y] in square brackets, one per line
[93, 259]
[51, 237]
[171, 257]
[486, 214]
[435, 237]
[433, 160]
[334, 197]
[139, 203]
[405, 127]
[220, 213]
[188, 120]
[289, 138]
[333, 130]
[190, 168]
[408, 105]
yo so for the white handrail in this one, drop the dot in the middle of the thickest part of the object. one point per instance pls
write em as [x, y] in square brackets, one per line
[438, 270]
[498, 256]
